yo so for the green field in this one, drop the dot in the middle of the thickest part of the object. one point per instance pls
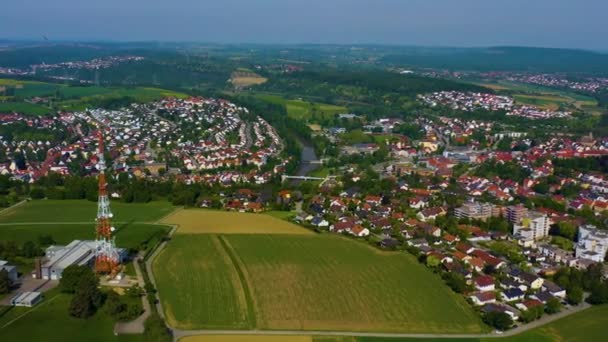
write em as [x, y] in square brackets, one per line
[83, 97]
[202, 221]
[586, 326]
[209, 294]
[24, 108]
[303, 110]
[83, 211]
[128, 235]
[50, 322]
[307, 282]
[74, 97]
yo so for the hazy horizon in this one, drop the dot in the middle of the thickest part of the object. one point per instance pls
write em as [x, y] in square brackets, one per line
[425, 23]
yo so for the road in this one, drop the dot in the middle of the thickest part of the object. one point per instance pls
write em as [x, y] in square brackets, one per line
[135, 326]
[177, 334]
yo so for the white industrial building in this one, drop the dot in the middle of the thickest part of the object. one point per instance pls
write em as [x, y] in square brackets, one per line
[76, 253]
[592, 243]
[27, 299]
[10, 269]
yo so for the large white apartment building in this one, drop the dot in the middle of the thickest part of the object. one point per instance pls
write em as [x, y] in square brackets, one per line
[592, 243]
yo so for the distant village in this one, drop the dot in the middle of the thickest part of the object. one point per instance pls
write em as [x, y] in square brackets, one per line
[170, 136]
[474, 101]
[93, 64]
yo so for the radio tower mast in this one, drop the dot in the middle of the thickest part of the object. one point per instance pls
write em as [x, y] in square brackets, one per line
[106, 257]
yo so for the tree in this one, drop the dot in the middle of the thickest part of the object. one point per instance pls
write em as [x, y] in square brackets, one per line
[113, 306]
[498, 320]
[456, 282]
[531, 314]
[46, 240]
[156, 330]
[432, 261]
[37, 193]
[5, 282]
[574, 295]
[566, 229]
[72, 277]
[30, 250]
[553, 306]
[87, 297]
[599, 294]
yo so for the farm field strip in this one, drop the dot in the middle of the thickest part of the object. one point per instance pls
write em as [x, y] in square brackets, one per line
[210, 294]
[303, 282]
[202, 221]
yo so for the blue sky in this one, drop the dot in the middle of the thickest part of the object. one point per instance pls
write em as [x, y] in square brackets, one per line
[551, 23]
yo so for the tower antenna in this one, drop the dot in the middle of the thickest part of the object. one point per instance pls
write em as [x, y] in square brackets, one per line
[106, 257]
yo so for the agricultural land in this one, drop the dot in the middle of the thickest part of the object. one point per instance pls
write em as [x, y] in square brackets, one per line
[297, 281]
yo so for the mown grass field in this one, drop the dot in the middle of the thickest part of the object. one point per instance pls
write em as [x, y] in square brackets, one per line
[586, 326]
[24, 108]
[302, 110]
[303, 282]
[201, 221]
[80, 98]
[128, 235]
[83, 211]
[49, 321]
[74, 97]
[199, 284]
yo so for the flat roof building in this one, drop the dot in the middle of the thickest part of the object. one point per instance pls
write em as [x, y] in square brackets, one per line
[76, 253]
[10, 269]
[27, 299]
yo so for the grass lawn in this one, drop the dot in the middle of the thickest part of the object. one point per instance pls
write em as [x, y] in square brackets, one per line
[210, 293]
[83, 211]
[128, 235]
[23, 108]
[303, 110]
[307, 282]
[49, 321]
[549, 102]
[201, 221]
[75, 97]
[86, 96]
[586, 326]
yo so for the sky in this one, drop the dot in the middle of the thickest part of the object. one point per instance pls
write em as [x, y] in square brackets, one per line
[547, 23]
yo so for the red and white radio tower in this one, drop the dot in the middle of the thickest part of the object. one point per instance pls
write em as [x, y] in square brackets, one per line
[106, 257]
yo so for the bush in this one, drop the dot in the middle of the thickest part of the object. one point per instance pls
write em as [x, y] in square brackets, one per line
[574, 295]
[87, 298]
[553, 306]
[73, 276]
[37, 193]
[498, 320]
[155, 329]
